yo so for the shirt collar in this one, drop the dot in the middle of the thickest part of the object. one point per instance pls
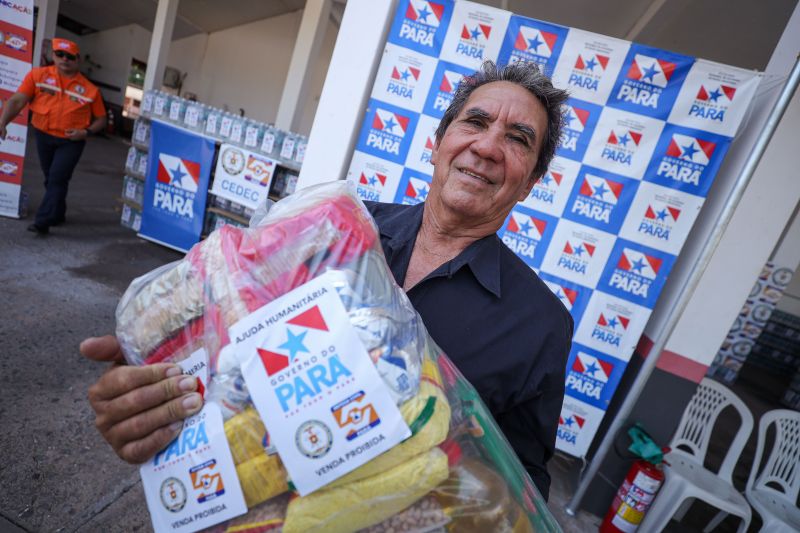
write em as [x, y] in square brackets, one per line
[482, 256]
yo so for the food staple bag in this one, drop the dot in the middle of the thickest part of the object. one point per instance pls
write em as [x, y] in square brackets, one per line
[328, 407]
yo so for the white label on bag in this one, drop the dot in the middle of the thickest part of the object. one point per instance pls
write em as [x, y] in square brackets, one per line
[211, 124]
[147, 102]
[268, 143]
[160, 104]
[130, 190]
[142, 164]
[225, 126]
[196, 365]
[251, 136]
[141, 132]
[326, 408]
[192, 116]
[301, 152]
[131, 159]
[192, 483]
[287, 148]
[175, 109]
[236, 132]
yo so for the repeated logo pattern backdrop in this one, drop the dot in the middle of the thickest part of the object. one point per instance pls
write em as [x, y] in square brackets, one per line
[16, 49]
[646, 131]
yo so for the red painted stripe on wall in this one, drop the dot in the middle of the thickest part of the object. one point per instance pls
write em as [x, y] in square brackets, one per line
[681, 366]
[672, 362]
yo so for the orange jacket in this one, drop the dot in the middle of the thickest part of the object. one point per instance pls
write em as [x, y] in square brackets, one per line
[59, 103]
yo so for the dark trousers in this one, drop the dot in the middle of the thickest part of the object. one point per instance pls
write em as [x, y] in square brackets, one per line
[58, 158]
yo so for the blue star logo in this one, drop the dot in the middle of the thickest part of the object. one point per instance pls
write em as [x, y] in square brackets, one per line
[423, 14]
[661, 214]
[569, 422]
[546, 179]
[404, 76]
[638, 265]
[623, 141]
[649, 72]
[689, 151]
[526, 228]
[422, 193]
[294, 344]
[177, 174]
[714, 95]
[475, 33]
[600, 191]
[578, 250]
[570, 117]
[591, 64]
[613, 322]
[533, 44]
[592, 368]
[389, 124]
[373, 181]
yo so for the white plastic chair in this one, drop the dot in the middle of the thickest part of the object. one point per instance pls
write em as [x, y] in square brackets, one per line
[773, 492]
[685, 478]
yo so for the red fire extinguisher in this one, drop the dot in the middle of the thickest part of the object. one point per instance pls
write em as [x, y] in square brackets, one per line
[633, 498]
[639, 489]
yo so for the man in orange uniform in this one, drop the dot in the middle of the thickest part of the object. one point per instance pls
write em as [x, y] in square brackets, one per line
[67, 108]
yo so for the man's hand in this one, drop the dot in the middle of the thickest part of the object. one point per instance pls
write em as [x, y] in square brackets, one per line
[76, 135]
[10, 109]
[138, 410]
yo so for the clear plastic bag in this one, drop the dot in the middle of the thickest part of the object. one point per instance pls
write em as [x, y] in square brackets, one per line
[455, 472]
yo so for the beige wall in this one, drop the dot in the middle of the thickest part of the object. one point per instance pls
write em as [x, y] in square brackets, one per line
[241, 67]
[245, 67]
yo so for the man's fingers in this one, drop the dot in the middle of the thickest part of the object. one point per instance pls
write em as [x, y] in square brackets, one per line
[102, 349]
[139, 437]
[139, 451]
[120, 380]
[143, 398]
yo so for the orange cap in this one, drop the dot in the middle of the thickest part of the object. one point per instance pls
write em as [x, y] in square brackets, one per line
[65, 45]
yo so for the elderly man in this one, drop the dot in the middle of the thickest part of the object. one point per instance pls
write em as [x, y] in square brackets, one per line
[66, 108]
[498, 322]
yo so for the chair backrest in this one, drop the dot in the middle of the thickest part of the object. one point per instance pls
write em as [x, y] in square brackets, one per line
[782, 467]
[697, 422]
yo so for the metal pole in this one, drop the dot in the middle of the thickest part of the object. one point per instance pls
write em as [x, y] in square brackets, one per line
[689, 285]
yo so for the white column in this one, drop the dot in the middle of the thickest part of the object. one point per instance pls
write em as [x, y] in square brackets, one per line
[159, 43]
[359, 47]
[45, 26]
[306, 51]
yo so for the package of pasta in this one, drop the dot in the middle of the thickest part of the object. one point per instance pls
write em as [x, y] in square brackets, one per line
[327, 405]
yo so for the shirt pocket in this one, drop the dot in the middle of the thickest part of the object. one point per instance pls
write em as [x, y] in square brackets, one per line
[44, 103]
[77, 113]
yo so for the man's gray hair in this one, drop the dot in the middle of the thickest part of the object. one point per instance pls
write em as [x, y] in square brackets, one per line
[528, 76]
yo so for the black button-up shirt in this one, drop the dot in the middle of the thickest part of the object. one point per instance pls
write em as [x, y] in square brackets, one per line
[501, 326]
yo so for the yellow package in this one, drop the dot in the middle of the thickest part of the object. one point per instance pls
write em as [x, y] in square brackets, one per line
[367, 501]
[261, 478]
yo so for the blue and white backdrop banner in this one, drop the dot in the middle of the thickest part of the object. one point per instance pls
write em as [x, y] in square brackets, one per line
[646, 132]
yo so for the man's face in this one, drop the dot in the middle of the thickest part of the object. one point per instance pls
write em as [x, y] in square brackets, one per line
[65, 62]
[484, 161]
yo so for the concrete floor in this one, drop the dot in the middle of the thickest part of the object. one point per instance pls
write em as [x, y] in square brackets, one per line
[57, 473]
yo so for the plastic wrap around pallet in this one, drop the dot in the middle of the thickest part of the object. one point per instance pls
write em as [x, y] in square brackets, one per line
[455, 471]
